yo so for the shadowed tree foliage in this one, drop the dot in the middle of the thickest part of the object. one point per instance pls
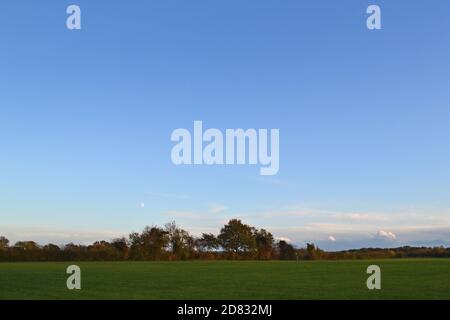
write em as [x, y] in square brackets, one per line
[51, 251]
[26, 251]
[26, 245]
[136, 248]
[181, 244]
[4, 249]
[149, 245]
[264, 244]
[4, 243]
[121, 246]
[103, 250]
[286, 251]
[208, 242]
[208, 246]
[313, 252]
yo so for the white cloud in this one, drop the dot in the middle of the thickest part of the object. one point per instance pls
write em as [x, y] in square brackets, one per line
[283, 239]
[386, 235]
[332, 239]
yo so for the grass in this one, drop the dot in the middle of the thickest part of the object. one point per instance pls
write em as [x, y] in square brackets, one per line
[401, 279]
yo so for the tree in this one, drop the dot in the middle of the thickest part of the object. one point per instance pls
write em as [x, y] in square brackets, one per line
[121, 246]
[208, 242]
[149, 245]
[286, 251]
[313, 251]
[51, 252]
[103, 250]
[155, 241]
[4, 243]
[75, 252]
[26, 245]
[137, 251]
[180, 242]
[4, 246]
[236, 237]
[25, 251]
[264, 244]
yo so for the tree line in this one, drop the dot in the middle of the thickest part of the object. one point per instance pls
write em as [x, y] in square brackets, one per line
[236, 241]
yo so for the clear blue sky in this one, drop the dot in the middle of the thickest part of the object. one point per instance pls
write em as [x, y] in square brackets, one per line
[86, 118]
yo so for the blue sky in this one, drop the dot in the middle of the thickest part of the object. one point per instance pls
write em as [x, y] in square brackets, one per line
[86, 118]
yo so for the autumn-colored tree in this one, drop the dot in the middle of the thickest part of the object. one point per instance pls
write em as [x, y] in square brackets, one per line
[51, 252]
[286, 251]
[4, 243]
[121, 246]
[26, 245]
[180, 242]
[264, 244]
[236, 237]
[150, 244]
[137, 250]
[313, 252]
[155, 241]
[208, 242]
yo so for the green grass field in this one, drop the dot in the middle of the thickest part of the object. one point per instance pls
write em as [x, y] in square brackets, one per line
[401, 279]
